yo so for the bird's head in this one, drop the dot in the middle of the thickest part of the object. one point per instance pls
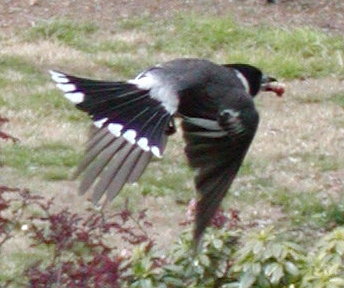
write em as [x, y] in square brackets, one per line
[255, 81]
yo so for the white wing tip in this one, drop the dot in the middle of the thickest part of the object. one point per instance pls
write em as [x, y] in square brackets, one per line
[75, 97]
[66, 87]
[55, 73]
[99, 123]
[63, 83]
[143, 144]
[130, 136]
[115, 129]
[156, 151]
[58, 77]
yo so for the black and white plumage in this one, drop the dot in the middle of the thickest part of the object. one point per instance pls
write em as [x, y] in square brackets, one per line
[134, 118]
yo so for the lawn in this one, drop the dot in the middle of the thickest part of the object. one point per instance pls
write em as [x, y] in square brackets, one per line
[293, 175]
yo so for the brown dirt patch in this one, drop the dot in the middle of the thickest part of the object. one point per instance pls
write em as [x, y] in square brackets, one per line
[327, 15]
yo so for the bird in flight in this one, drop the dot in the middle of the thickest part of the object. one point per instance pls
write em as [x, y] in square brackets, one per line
[133, 120]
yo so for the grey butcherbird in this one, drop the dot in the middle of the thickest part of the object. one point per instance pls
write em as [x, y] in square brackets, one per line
[134, 118]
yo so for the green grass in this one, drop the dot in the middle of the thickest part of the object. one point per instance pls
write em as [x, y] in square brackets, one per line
[299, 208]
[17, 63]
[288, 53]
[161, 181]
[302, 207]
[21, 82]
[3, 102]
[16, 263]
[338, 99]
[50, 161]
[322, 162]
[140, 22]
[247, 168]
[68, 32]
[125, 65]
[135, 43]
[114, 46]
[42, 102]
[15, 70]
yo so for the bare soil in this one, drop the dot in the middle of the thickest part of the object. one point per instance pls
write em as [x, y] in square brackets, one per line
[324, 14]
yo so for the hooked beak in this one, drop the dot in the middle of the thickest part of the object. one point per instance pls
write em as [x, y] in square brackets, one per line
[271, 84]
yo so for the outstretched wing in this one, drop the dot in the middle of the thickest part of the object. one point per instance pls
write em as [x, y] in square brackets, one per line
[130, 125]
[216, 149]
[110, 162]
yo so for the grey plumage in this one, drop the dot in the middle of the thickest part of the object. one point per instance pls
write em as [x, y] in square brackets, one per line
[135, 118]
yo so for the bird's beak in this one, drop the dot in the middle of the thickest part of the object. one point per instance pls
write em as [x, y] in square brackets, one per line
[271, 84]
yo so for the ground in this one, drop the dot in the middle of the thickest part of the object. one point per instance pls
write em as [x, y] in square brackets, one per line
[305, 120]
[327, 15]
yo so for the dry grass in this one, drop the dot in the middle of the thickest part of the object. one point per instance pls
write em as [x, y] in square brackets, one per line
[298, 149]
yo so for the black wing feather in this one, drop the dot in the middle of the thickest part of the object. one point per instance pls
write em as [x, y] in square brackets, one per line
[216, 151]
[110, 160]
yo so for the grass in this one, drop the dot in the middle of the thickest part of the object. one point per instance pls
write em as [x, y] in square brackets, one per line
[294, 154]
[16, 263]
[18, 70]
[62, 30]
[126, 66]
[321, 162]
[277, 50]
[338, 99]
[51, 161]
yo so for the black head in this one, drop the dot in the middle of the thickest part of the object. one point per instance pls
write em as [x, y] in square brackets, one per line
[253, 75]
[256, 80]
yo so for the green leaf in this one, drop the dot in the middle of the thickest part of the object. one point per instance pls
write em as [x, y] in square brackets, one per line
[231, 285]
[174, 268]
[277, 250]
[256, 268]
[198, 269]
[340, 248]
[339, 282]
[263, 281]
[258, 247]
[247, 280]
[291, 268]
[277, 275]
[218, 244]
[174, 281]
[270, 268]
[204, 260]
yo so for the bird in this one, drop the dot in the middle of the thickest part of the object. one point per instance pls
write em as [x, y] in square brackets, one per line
[133, 120]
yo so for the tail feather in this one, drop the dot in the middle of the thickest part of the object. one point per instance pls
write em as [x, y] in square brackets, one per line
[212, 195]
[206, 151]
